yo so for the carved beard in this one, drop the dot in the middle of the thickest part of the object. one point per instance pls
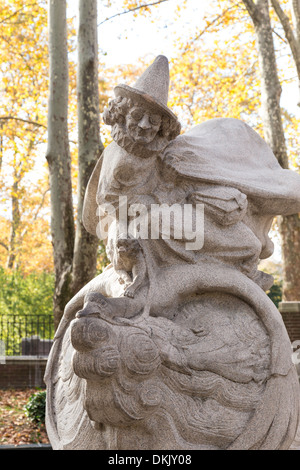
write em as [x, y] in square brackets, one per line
[120, 136]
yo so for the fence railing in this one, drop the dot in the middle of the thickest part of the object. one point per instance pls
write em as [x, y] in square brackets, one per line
[26, 335]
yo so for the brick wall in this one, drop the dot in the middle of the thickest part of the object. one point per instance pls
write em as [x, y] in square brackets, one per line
[290, 312]
[22, 372]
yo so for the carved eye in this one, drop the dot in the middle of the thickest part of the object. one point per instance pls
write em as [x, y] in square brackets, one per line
[155, 119]
[137, 114]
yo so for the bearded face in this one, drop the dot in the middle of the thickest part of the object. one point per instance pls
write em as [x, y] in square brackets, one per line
[139, 129]
[142, 125]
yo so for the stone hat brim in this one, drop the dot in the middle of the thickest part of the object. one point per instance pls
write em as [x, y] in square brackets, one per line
[145, 99]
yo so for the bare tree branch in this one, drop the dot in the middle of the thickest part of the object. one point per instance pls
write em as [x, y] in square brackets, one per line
[17, 11]
[280, 37]
[209, 25]
[132, 9]
[27, 121]
[212, 22]
[288, 31]
[4, 246]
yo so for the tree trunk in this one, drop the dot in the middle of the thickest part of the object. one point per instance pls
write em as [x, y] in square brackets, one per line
[89, 144]
[15, 223]
[296, 19]
[289, 228]
[274, 135]
[292, 34]
[75, 254]
[58, 157]
[270, 85]
[15, 238]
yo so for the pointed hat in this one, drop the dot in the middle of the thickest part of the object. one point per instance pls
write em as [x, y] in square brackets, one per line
[152, 88]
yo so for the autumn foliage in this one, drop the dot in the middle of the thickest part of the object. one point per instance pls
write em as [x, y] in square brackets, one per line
[16, 428]
[25, 242]
[214, 72]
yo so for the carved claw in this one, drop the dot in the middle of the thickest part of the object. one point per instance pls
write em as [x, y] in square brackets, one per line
[129, 293]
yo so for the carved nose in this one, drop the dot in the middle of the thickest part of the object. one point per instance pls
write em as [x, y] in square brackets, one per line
[145, 122]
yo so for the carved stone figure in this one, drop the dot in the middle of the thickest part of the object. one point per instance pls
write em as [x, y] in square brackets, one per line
[175, 345]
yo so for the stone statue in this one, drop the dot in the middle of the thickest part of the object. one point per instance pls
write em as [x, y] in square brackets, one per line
[175, 345]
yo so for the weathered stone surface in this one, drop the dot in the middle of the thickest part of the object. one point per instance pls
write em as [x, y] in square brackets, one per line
[176, 345]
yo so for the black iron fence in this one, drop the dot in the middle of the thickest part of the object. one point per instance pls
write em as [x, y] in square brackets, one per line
[26, 335]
